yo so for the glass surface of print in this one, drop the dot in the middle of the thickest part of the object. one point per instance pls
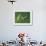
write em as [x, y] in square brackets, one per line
[22, 17]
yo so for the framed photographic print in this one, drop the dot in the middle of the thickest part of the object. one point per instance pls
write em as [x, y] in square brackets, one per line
[23, 17]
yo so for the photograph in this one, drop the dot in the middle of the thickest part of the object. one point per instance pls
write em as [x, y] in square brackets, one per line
[23, 18]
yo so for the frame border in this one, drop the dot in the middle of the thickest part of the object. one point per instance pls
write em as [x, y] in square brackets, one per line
[24, 24]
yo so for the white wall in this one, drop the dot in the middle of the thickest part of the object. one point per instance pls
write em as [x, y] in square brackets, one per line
[9, 31]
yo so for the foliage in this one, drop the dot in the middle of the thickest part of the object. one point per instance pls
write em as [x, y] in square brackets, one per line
[22, 17]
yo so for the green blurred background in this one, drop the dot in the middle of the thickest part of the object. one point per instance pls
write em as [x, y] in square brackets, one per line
[22, 17]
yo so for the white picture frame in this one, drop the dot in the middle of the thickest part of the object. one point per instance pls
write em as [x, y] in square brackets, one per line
[31, 17]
